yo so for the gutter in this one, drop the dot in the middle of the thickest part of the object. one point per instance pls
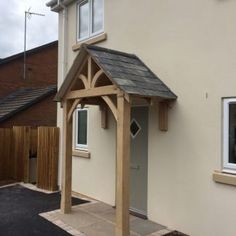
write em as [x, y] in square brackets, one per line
[51, 3]
[65, 37]
[58, 5]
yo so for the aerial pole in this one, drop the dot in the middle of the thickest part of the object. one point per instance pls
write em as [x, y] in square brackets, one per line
[27, 14]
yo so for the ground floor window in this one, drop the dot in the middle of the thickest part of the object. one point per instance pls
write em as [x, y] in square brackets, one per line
[229, 134]
[81, 129]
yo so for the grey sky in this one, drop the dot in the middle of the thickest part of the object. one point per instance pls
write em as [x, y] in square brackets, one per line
[40, 29]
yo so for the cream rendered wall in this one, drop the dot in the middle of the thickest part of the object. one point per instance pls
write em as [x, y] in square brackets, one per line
[190, 45]
[94, 177]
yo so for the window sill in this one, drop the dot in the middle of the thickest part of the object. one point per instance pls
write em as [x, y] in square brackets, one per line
[96, 39]
[81, 153]
[224, 178]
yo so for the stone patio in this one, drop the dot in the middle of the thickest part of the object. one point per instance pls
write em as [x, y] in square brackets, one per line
[98, 219]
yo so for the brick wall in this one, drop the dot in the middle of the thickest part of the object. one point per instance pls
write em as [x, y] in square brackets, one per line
[41, 70]
[40, 114]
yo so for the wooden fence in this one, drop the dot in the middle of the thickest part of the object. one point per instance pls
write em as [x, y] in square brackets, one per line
[47, 168]
[21, 145]
[18, 144]
[6, 155]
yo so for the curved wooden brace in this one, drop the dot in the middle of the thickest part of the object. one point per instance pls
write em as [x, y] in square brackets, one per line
[111, 105]
[84, 80]
[74, 105]
[95, 78]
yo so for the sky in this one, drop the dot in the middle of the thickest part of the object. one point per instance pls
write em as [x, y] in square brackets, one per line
[40, 29]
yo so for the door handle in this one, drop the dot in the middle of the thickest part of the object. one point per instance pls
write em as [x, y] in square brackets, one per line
[134, 167]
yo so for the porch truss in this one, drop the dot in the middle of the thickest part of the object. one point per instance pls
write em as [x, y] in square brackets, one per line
[98, 76]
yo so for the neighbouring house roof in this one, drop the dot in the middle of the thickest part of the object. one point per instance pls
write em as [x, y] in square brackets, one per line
[23, 98]
[125, 70]
[29, 52]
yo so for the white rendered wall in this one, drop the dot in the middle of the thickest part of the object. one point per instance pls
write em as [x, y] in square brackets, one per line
[190, 45]
[95, 177]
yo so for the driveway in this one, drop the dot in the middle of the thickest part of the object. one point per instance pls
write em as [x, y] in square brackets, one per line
[19, 209]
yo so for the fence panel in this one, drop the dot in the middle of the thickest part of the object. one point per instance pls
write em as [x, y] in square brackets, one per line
[6, 158]
[47, 158]
[21, 142]
[33, 142]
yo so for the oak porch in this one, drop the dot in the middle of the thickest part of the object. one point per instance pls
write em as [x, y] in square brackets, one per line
[90, 82]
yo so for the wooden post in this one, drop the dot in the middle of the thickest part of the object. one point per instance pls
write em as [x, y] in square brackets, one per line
[67, 160]
[90, 71]
[123, 163]
[104, 117]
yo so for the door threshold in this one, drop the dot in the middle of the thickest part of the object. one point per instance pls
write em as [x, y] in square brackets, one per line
[138, 214]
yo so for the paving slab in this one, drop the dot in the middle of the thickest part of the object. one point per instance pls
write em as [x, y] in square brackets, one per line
[97, 208]
[145, 227]
[78, 218]
[98, 219]
[110, 215]
[101, 229]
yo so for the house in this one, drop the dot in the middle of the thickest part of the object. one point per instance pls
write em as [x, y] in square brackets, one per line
[180, 132]
[25, 105]
[23, 100]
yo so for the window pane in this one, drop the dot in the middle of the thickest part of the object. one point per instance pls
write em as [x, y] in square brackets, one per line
[232, 133]
[83, 19]
[97, 19]
[82, 127]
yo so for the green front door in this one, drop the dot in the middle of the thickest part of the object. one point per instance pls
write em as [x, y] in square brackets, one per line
[139, 160]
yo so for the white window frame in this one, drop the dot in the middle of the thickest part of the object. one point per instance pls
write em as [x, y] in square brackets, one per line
[227, 166]
[90, 33]
[78, 146]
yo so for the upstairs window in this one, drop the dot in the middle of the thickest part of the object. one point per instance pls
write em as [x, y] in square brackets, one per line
[81, 126]
[90, 14]
[229, 135]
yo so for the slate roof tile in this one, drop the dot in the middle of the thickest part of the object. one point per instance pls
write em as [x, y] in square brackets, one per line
[130, 73]
[125, 70]
[22, 99]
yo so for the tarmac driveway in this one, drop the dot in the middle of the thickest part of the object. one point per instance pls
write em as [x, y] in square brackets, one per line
[19, 209]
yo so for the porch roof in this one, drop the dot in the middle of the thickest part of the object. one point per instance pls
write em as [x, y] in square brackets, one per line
[125, 70]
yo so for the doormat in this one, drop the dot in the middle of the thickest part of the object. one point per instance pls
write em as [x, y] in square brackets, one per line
[175, 233]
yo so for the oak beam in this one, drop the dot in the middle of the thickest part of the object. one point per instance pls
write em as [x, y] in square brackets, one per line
[123, 163]
[93, 92]
[90, 71]
[84, 79]
[67, 160]
[111, 105]
[74, 105]
[96, 77]
[75, 73]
